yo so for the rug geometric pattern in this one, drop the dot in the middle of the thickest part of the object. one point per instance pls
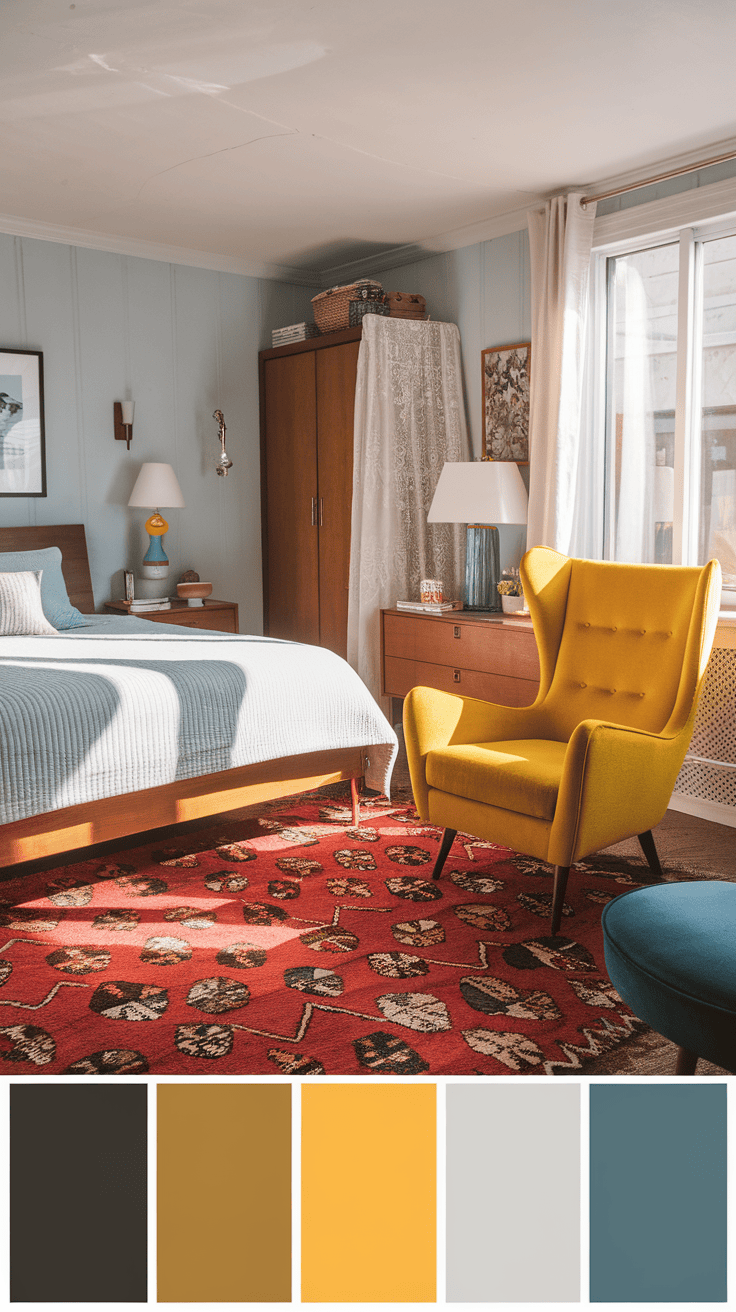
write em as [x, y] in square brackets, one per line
[294, 944]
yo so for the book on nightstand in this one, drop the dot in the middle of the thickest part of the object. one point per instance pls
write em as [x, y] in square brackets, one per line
[149, 603]
[429, 607]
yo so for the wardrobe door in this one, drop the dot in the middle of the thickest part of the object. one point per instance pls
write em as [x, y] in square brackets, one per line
[336, 373]
[292, 562]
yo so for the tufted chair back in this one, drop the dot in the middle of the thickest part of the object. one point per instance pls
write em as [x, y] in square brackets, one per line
[612, 647]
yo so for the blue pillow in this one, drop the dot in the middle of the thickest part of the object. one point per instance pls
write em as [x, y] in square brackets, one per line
[54, 597]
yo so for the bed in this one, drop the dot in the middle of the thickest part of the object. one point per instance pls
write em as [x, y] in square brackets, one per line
[125, 726]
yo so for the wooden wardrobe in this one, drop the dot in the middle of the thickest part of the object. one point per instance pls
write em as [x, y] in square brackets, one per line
[307, 402]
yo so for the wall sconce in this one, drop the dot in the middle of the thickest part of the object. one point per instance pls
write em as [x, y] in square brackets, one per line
[123, 411]
[224, 463]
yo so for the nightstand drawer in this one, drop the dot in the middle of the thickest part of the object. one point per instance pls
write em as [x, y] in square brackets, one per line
[401, 675]
[486, 646]
[221, 620]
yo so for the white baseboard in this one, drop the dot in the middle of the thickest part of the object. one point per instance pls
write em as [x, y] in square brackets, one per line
[716, 811]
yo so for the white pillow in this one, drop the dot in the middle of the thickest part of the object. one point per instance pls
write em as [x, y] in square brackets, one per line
[20, 604]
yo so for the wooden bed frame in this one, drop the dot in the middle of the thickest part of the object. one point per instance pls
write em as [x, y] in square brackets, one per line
[80, 826]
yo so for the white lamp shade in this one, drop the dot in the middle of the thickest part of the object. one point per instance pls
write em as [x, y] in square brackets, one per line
[479, 492]
[156, 486]
[128, 410]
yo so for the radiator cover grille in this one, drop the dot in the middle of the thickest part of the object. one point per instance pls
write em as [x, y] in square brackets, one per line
[714, 735]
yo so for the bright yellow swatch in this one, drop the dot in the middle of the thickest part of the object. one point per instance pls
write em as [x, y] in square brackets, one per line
[369, 1185]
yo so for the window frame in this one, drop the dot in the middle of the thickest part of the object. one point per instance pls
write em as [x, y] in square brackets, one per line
[690, 237]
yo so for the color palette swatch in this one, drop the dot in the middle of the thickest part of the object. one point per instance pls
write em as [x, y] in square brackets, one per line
[224, 1193]
[658, 1193]
[78, 1193]
[513, 1188]
[366, 1187]
[369, 1215]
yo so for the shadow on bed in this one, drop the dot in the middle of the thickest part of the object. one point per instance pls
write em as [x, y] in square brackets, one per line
[39, 758]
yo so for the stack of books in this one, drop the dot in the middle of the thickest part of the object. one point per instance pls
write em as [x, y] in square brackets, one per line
[142, 604]
[296, 332]
[430, 607]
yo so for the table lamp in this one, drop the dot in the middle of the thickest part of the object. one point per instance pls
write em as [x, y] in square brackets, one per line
[155, 486]
[481, 494]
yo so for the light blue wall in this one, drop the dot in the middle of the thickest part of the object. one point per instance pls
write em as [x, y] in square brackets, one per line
[485, 290]
[181, 342]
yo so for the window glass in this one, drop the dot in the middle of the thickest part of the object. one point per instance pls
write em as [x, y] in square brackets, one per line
[716, 494]
[641, 389]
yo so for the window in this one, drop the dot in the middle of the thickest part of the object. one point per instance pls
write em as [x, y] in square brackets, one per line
[665, 327]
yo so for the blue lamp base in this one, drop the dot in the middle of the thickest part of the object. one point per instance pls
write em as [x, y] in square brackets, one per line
[155, 562]
[482, 568]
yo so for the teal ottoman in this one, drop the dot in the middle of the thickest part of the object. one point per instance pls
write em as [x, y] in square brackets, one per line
[671, 954]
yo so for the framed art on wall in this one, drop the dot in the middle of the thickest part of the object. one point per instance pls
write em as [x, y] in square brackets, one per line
[506, 402]
[22, 436]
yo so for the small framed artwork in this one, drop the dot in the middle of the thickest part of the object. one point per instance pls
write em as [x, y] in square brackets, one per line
[22, 435]
[506, 402]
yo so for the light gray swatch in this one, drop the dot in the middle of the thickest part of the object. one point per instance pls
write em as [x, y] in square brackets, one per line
[513, 1193]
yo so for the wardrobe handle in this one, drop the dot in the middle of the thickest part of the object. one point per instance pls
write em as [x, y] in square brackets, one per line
[314, 511]
[321, 504]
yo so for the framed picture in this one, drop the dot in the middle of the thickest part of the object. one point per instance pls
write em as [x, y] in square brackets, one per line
[22, 436]
[506, 402]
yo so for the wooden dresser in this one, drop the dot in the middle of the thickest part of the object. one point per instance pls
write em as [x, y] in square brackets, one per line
[486, 656]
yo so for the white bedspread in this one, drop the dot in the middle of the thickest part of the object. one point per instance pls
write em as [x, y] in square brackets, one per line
[127, 704]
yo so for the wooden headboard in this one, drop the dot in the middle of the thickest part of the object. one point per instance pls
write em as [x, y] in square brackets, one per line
[70, 539]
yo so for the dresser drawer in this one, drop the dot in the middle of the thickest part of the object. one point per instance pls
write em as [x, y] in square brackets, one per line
[401, 675]
[485, 646]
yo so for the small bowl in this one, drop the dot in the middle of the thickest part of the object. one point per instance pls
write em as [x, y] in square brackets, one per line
[193, 593]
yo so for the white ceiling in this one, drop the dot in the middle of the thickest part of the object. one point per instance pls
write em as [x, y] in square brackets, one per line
[295, 137]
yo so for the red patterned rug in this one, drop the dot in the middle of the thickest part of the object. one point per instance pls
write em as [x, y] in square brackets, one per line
[296, 944]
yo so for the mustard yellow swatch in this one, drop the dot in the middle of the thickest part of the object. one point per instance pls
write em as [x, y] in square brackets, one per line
[224, 1193]
[369, 1184]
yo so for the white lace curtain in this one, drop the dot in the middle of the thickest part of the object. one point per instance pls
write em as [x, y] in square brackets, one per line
[409, 419]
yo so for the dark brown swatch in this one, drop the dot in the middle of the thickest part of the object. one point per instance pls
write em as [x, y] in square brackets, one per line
[78, 1193]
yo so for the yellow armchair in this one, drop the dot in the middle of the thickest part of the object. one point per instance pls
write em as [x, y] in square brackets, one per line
[622, 650]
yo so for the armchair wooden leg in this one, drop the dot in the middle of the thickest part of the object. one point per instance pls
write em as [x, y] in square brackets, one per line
[558, 896]
[647, 846]
[686, 1062]
[448, 838]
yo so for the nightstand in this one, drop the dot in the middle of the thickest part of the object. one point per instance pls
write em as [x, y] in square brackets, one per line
[492, 657]
[220, 615]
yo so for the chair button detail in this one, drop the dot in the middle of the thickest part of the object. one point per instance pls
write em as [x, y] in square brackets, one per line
[642, 632]
[582, 685]
[614, 629]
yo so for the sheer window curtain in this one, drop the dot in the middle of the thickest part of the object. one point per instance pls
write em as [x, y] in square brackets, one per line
[562, 460]
[409, 419]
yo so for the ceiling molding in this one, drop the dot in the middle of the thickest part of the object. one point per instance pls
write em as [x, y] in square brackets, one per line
[619, 225]
[485, 230]
[150, 250]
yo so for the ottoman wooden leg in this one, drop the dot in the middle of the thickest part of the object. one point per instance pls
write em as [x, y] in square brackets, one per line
[686, 1062]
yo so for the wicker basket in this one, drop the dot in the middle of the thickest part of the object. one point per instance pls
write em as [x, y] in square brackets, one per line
[332, 308]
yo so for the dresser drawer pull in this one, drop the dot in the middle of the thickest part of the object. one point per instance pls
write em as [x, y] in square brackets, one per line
[456, 631]
[455, 676]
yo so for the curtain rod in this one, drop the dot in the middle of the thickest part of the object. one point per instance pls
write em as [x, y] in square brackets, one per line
[660, 177]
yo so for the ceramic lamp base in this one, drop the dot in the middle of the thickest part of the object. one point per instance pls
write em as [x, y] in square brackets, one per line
[482, 568]
[154, 570]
